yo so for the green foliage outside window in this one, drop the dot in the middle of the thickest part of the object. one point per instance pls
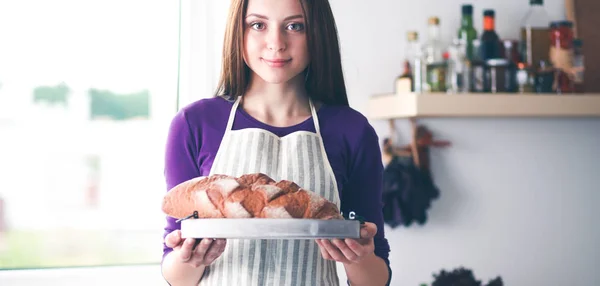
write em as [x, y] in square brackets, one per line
[104, 104]
[107, 104]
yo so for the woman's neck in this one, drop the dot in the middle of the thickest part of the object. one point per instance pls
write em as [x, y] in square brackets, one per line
[277, 104]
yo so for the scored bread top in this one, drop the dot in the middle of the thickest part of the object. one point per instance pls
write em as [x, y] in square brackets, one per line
[248, 196]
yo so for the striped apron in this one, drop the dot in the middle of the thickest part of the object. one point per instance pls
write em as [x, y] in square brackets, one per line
[299, 157]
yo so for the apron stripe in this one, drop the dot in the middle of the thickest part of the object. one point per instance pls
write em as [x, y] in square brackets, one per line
[319, 269]
[310, 267]
[307, 163]
[292, 256]
[282, 261]
[226, 265]
[296, 167]
[245, 160]
[332, 272]
[319, 170]
[247, 258]
[270, 261]
[273, 161]
[218, 274]
[300, 273]
[261, 155]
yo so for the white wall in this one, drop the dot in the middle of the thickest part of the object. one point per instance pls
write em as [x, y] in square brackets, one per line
[518, 195]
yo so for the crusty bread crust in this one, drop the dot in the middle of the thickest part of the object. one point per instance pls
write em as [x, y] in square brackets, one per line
[248, 196]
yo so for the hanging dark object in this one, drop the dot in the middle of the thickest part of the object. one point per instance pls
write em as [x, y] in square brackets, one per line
[408, 187]
[462, 276]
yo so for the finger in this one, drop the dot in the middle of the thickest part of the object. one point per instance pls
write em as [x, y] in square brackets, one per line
[348, 253]
[358, 247]
[215, 250]
[173, 239]
[202, 248]
[221, 243]
[333, 251]
[186, 249]
[323, 250]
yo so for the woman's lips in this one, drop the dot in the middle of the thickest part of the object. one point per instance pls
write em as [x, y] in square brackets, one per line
[276, 63]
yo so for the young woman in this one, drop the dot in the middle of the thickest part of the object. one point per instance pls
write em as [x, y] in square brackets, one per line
[281, 109]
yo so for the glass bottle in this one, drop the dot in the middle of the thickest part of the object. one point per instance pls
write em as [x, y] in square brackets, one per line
[534, 40]
[411, 77]
[433, 46]
[412, 46]
[490, 45]
[404, 82]
[434, 58]
[457, 68]
[467, 33]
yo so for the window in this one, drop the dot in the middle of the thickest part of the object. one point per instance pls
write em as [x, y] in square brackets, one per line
[87, 92]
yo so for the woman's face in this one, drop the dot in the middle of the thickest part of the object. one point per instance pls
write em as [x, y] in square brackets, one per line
[275, 45]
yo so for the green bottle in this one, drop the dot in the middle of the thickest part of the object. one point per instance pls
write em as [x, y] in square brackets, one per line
[467, 33]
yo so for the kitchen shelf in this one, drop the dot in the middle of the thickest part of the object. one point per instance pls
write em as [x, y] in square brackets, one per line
[389, 106]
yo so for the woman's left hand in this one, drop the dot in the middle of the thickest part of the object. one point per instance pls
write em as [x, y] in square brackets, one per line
[349, 250]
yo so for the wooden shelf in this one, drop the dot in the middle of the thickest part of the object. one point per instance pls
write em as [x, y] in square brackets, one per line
[388, 106]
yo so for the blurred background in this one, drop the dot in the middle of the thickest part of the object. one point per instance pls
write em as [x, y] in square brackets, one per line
[88, 89]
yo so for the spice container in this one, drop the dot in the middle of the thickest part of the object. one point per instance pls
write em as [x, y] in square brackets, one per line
[500, 76]
[525, 79]
[511, 51]
[561, 55]
[544, 78]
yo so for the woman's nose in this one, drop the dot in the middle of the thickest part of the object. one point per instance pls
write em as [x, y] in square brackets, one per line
[276, 40]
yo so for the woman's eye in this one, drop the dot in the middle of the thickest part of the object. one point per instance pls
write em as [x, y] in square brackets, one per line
[257, 26]
[296, 27]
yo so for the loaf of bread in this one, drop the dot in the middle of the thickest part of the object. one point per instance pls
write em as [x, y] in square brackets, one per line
[247, 196]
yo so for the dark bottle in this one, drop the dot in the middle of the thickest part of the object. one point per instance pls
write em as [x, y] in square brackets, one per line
[405, 82]
[467, 33]
[534, 40]
[490, 45]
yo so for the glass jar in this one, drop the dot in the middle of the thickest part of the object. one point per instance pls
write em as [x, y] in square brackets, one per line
[578, 65]
[561, 55]
[500, 76]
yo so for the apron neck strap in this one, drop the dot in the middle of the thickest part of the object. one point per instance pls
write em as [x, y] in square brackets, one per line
[232, 113]
[313, 112]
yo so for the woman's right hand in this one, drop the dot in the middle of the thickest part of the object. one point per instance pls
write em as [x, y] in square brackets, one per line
[204, 254]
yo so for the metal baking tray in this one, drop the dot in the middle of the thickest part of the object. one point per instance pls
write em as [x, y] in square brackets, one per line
[269, 228]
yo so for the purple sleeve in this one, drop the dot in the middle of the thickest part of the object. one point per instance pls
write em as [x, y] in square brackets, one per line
[180, 162]
[362, 192]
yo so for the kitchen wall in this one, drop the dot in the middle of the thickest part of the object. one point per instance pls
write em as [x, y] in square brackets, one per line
[518, 196]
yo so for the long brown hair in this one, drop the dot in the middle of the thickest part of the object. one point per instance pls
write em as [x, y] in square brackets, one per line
[325, 78]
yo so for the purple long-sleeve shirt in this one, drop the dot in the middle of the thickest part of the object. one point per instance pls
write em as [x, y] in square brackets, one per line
[351, 144]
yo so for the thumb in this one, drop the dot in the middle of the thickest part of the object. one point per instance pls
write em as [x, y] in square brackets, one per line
[368, 230]
[173, 239]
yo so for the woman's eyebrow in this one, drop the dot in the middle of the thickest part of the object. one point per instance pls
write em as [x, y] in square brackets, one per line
[266, 18]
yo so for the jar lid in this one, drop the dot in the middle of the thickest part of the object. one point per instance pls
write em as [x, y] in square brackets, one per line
[434, 21]
[557, 24]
